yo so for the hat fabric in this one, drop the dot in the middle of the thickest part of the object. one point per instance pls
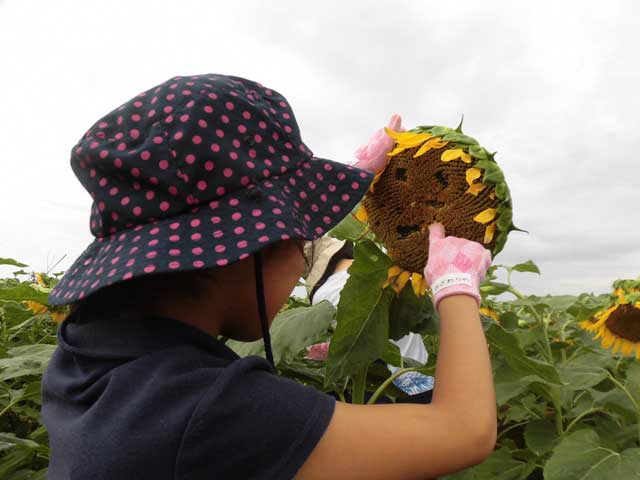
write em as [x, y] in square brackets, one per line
[199, 172]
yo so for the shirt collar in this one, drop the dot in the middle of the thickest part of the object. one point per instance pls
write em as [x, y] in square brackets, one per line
[134, 336]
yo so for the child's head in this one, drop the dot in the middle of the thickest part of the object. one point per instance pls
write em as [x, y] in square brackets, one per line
[192, 178]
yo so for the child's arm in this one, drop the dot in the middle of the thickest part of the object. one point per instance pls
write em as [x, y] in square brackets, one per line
[455, 431]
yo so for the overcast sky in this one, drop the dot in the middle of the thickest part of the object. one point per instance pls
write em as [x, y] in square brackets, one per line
[552, 86]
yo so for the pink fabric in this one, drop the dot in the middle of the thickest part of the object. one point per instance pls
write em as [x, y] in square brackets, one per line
[456, 266]
[373, 155]
[319, 351]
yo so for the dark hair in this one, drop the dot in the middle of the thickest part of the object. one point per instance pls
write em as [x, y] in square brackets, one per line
[142, 295]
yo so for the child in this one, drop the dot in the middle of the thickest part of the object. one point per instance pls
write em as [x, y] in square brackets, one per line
[203, 193]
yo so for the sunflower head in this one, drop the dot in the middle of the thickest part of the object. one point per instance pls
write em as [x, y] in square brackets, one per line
[437, 174]
[618, 325]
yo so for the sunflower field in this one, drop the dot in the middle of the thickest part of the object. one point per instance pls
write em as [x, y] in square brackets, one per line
[566, 368]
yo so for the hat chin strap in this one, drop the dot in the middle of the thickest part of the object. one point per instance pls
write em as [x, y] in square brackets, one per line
[262, 307]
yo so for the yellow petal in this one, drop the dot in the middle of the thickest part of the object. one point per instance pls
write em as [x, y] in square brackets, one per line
[627, 347]
[361, 214]
[485, 216]
[58, 317]
[617, 345]
[401, 281]
[472, 175]
[416, 282]
[40, 280]
[608, 340]
[637, 352]
[489, 313]
[492, 195]
[394, 271]
[35, 307]
[454, 154]
[424, 286]
[475, 189]
[488, 233]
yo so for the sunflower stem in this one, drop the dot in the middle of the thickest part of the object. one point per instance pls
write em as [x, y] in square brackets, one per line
[386, 383]
[581, 416]
[359, 386]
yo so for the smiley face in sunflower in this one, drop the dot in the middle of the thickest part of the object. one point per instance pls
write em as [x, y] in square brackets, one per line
[435, 174]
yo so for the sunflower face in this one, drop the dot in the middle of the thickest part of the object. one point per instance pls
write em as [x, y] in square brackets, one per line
[618, 326]
[436, 174]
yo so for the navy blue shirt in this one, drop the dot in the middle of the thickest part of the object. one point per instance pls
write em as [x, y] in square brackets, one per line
[156, 398]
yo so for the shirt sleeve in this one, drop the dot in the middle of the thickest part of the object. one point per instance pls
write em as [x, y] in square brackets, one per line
[252, 424]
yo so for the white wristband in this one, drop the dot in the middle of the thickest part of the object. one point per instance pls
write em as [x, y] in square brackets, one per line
[450, 279]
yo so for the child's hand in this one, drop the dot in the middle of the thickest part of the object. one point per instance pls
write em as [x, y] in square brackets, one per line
[455, 266]
[373, 155]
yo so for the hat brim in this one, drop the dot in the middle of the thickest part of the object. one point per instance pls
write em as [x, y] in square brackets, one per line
[304, 202]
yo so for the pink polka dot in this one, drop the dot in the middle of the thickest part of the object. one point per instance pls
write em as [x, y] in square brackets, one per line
[256, 212]
[196, 250]
[222, 262]
[277, 211]
[124, 200]
[355, 185]
[174, 252]
[135, 172]
[113, 191]
[238, 230]
[262, 124]
[242, 129]
[174, 265]
[127, 276]
[326, 220]
[173, 190]
[153, 243]
[229, 106]
[157, 140]
[236, 216]
[198, 264]
[117, 163]
[218, 234]
[220, 248]
[208, 109]
[190, 159]
[263, 239]
[163, 164]
[195, 222]
[242, 244]
[184, 118]
[174, 238]
[178, 135]
[154, 231]
[234, 202]
[220, 191]
[280, 224]
[164, 206]
[133, 250]
[130, 262]
[319, 230]
[196, 236]
[260, 226]
[345, 197]
[202, 123]
[227, 172]
[197, 139]
[215, 220]
[151, 254]
[219, 133]
[224, 119]
[137, 211]
[149, 268]
[149, 195]
[202, 185]
[174, 225]
[233, 155]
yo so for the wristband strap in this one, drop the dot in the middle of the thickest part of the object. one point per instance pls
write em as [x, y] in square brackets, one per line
[450, 279]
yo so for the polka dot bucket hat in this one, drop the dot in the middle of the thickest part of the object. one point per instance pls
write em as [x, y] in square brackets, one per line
[199, 172]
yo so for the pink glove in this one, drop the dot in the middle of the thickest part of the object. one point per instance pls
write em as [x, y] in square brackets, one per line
[373, 155]
[455, 266]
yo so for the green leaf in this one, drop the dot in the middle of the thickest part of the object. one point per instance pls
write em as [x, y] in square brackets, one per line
[23, 291]
[507, 344]
[411, 313]
[291, 331]
[500, 465]
[582, 372]
[363, 314]
[25, 360]
[540, 436]
[392, 355]
[11, 261]
[493, 288]
[581, 456]
[349, 229]
[527, 266]
[509, 385]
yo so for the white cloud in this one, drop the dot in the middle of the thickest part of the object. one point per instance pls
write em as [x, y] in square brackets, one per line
[550, 86]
